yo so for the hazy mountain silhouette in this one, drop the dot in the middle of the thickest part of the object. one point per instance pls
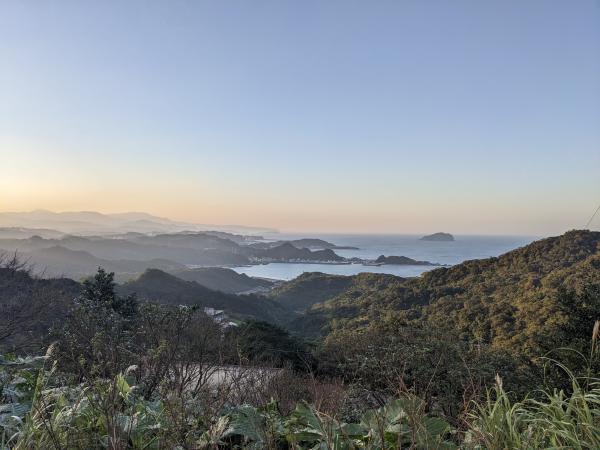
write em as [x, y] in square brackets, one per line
[91, 222]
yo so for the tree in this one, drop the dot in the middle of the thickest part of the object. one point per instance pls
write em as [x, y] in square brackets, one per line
[30, 305]
[264, 343]
[98, 336]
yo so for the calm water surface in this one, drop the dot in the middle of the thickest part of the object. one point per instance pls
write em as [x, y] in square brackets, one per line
[371, 246]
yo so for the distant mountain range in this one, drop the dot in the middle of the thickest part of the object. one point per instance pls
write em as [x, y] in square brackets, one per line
[91, 222]
[24, 233]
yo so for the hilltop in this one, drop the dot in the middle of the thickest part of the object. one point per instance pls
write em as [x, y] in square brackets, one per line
[222, 279]
[310, 288]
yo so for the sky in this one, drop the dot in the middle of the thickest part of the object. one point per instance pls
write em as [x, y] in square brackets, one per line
[337, 116]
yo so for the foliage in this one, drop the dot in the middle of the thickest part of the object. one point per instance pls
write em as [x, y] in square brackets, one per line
[267, 344]
[29, 305]
[310, 288]
[102, 415]
[18, 384]
[96, 339]
[434, 364]
[114, 414]
[559, 420]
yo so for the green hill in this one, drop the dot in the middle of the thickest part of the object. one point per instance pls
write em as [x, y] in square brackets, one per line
[222, 279]
[511, 302]
[310, 288]
[160, 287]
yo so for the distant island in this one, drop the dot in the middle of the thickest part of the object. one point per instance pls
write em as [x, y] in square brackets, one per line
[440, 237]
[402, 261]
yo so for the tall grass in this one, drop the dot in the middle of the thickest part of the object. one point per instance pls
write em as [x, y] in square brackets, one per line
[555, 418]
[559, 420]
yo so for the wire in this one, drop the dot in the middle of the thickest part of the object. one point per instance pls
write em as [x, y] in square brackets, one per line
[591, 218]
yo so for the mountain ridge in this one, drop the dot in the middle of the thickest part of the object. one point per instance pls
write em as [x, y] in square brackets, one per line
[86, 222]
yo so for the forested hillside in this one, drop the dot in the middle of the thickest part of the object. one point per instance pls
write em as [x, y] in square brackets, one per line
[310, 288]
[30, 306]
[510, 302]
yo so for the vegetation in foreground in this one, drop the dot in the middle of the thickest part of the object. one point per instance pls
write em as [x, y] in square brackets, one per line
[41, 413]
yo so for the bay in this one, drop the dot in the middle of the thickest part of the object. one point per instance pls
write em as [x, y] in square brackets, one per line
[464, 247]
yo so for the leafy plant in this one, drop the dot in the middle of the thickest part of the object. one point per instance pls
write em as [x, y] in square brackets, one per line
[18, 381]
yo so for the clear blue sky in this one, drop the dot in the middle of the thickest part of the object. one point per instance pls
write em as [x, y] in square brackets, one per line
[385, 116]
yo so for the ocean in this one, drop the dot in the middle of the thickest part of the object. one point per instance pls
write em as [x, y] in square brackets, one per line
[463, 248]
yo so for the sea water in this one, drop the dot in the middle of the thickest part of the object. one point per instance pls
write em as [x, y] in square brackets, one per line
[463, 248]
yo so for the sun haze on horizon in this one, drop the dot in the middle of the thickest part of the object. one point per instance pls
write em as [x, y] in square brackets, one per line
[395, 117]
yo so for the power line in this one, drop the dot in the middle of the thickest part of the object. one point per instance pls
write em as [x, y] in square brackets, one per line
[591, 218]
